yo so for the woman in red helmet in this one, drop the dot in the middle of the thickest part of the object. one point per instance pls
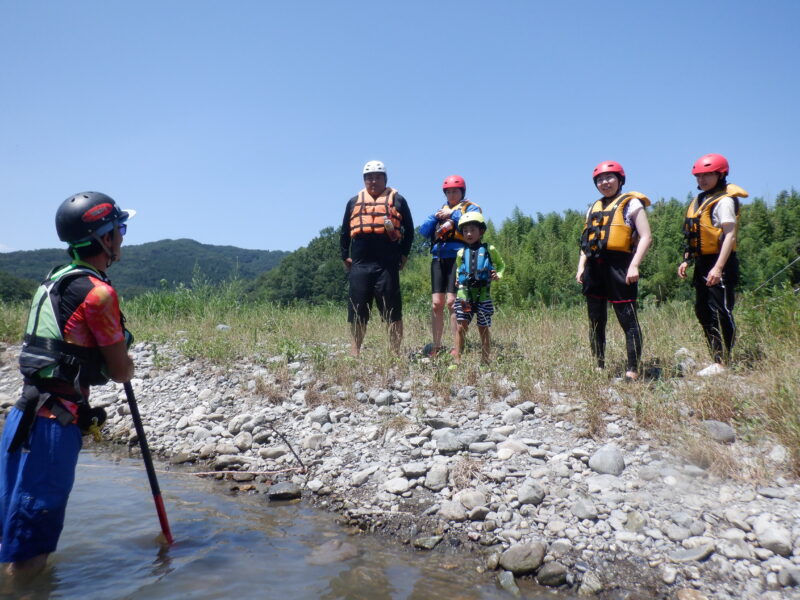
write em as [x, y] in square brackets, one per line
[614, 241]
[441, 228]
[710, 243]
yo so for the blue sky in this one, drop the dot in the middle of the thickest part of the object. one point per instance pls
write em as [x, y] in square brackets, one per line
[247, 123]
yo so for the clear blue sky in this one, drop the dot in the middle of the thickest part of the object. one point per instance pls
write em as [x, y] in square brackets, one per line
[247, 123]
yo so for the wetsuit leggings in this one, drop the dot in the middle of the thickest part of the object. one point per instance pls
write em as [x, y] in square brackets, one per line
[714, 309]
[626, 315]
[714, 305]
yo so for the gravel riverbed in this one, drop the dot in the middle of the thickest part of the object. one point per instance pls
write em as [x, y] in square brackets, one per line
[511, 480]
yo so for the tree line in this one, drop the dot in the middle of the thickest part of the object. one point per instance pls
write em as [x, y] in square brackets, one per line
[541, 255]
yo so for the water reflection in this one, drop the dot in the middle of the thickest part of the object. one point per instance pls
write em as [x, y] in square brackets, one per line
[226, 548]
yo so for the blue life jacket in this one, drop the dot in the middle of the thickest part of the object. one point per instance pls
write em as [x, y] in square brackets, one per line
[475, 269]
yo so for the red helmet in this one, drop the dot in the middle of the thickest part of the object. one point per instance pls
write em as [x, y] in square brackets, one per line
[455, 181]
[711, 163]
[609, 166]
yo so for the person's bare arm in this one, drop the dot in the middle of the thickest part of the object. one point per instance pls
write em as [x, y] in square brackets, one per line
[119, 364]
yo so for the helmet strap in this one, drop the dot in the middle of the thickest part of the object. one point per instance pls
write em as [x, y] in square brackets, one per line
[110, 255]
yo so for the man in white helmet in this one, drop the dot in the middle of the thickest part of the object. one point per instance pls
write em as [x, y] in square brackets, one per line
[377, 231]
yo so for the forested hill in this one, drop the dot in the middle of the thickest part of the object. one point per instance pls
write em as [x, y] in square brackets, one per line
[541, 254]
[143, 266]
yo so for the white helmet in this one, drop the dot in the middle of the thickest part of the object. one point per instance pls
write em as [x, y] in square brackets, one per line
[374, 166]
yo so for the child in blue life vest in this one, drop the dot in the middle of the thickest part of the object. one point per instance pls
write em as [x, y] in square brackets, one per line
[441, 228]
[477, 265]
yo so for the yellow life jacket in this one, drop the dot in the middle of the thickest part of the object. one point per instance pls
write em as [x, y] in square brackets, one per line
[370, 215]
[605, 228]
[453, 233]
[700, 235]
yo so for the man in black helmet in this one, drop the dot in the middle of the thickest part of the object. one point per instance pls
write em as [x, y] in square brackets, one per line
[75, 337]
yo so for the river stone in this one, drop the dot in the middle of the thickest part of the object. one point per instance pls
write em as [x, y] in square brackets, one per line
[590, 585]
[414, 469]
[635, 521]
[772, 536]
[181, 458]
[469, 437]
[471, 498]
[772, 492]
[482, 447]
[699, 553]
[675, 532]
[530, 492]
[449, 444]
[441, 422]
[224, 462]
[478, 513]
[359, 477]
[735, 549]
[384, 398]
[235, 425]
[436, 478]
[427, 543]
[527, 407]
[522, 559]
[552, 574]
[285, 490]
[512, 416]
[689, 594]
[506, 581]
[332, 551]
[315, 485]
[715, 369]
[452, 511]
[737, 518]
[320, 415]
[789, 576]
[508, 448]
[314, 441]
[607, 460]
[273, 452]
[720, 432]
[398, 485]
[243, 441]
[584, 509]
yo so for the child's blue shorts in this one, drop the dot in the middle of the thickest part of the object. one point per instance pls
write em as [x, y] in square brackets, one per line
[35, 486]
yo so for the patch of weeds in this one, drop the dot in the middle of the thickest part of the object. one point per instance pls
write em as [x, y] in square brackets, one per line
[289, 348]
[160, 360]
[314, 398]
[465, 471]
[320, 357]
[397, 423]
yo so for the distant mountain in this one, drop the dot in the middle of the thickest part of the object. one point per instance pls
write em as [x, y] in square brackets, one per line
[144, 266]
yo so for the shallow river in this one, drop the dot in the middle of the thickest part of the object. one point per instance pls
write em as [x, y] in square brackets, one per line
[227, 547]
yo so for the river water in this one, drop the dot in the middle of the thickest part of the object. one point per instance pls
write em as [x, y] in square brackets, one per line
[227, 547]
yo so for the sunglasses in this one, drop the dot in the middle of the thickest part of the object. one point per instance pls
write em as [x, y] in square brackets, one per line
[123, 228]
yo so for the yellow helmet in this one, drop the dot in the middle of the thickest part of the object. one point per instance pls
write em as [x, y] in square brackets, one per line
[472, 216]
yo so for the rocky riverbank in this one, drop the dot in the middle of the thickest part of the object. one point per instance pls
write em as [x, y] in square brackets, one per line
[515, 480]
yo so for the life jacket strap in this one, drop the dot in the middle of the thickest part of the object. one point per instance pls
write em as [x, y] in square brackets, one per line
[30, 403]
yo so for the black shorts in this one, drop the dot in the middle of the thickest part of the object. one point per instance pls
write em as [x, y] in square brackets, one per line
[604, 277]
[372, 281]
[443, 275]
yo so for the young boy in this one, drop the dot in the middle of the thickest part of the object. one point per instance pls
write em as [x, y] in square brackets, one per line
[477, 265]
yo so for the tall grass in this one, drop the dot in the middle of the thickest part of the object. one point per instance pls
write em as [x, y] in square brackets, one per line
[537, 350]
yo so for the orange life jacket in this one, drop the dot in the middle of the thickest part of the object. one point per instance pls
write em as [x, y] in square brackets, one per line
[605, 228]
[376, 215]
[700, 235]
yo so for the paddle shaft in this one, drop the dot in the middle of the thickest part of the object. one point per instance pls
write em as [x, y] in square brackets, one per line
[148, 463]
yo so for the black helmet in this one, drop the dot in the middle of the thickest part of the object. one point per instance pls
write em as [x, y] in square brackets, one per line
[86, 215]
